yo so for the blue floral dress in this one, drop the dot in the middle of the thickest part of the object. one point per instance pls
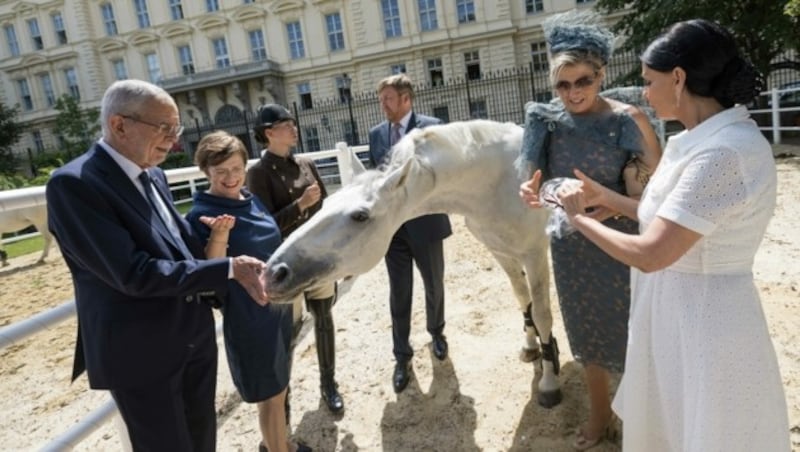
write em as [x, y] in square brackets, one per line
[257, 338]
[593, 288]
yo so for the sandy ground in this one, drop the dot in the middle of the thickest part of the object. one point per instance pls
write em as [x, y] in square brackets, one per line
[481, 398]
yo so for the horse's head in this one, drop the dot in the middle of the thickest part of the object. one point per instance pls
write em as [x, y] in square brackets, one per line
[352, 231]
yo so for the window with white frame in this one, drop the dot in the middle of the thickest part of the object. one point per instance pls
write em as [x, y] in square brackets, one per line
[36, 34]
[295, 36]
[391, 18]
[38, 143]
[142, 16]
[583, 1]
[109, 22]
[442, 112]
[472, 65]
[477, 109]
[435, 72]
[304, 94]
[11, 39]
[221, 56]
[333, 23]
[47, 89]
[427, 15]
[311, 135]
[186, 60]
[258, 47]
[25, 94]
[71, 76]
[343, 88]
[534, 6]
[58, 26]
[212, 5]
[399, 68]
[175, 9]
[465, 9]
[153, 67]
[539, 56]
[120, 71]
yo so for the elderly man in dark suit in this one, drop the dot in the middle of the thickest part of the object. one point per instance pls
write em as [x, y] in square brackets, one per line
[145, 331]
[418, 240]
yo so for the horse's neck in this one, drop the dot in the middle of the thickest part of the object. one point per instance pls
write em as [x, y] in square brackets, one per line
[465, 186]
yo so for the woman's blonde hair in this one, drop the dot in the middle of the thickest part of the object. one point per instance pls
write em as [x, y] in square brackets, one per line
[572, 58]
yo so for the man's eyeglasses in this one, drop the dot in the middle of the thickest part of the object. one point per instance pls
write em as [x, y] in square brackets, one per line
[163, 128]
[581, 83]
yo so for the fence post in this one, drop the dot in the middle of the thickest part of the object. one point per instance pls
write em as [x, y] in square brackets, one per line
[776, 116]
[345, 165]
[299, 129]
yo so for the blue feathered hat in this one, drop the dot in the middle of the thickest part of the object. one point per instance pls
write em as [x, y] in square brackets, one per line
[578, 30]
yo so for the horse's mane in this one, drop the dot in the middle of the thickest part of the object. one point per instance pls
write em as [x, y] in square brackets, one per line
[463, 137]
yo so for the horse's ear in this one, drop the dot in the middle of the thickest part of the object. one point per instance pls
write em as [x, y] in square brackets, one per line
[398, 177]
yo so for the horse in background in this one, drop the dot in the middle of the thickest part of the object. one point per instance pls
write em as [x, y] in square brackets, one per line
[465, 168]
[18, 219]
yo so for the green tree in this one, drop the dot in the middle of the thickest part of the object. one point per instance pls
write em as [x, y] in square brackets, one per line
[762, 28]
[10, 132]
[793, 9]
[79, 126]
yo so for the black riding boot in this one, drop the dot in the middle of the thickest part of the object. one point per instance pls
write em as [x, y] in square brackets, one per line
[326, 351]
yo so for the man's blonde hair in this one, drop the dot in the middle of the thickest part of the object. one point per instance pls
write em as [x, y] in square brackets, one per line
[400, 82]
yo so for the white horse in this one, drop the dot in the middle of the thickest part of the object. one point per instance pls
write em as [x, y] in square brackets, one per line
[17, 219]
[465, 168]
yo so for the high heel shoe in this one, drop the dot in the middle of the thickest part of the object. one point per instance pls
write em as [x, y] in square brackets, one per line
[612, 432]
[581, 442]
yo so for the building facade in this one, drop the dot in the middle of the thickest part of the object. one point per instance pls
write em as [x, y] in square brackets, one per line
[220, 59]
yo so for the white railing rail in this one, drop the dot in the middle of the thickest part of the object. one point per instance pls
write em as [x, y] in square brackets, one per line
[775, 109]
[31, 196]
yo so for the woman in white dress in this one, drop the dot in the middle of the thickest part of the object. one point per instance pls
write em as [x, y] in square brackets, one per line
[700, 370]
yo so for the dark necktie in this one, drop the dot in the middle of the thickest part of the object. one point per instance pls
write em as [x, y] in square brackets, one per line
[395, 135]
[162, 212]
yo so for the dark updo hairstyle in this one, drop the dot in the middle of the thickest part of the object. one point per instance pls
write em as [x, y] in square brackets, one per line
[713, 64]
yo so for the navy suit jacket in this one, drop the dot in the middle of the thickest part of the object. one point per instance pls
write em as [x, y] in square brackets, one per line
[424, 229]
[135, 290]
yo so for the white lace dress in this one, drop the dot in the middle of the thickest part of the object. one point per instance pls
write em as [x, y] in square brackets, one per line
[701, 372]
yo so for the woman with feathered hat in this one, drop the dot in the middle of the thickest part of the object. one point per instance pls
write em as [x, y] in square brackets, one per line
[615, 144]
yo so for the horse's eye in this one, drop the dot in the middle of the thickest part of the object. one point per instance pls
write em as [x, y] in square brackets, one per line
[360, 215]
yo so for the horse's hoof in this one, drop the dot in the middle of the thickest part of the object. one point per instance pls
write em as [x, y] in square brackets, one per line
[529, 355]
[549, 399]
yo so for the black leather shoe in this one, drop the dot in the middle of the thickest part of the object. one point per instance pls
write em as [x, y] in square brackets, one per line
[439, 347]
[401, 376]
[331, 397]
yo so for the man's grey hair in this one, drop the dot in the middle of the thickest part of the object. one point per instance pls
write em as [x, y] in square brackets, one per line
[127, 97]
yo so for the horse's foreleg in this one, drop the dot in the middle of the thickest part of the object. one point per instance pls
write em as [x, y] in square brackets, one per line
[539, 282]
[3, 257]
[48, 241]
[516, 275]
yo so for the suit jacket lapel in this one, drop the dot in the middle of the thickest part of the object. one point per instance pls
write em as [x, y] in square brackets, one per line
[130, 194]
[412, 122]
[160, 184]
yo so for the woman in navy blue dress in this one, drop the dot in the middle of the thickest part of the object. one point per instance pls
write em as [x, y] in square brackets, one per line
[257, 338]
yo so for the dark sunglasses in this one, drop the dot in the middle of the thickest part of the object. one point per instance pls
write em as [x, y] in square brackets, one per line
[581, 83]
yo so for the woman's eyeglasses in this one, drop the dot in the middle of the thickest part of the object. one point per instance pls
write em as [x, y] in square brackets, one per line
[581, 83]
[163, 128]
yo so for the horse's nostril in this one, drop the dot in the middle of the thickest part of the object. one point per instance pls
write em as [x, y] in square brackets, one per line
[281, 272]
